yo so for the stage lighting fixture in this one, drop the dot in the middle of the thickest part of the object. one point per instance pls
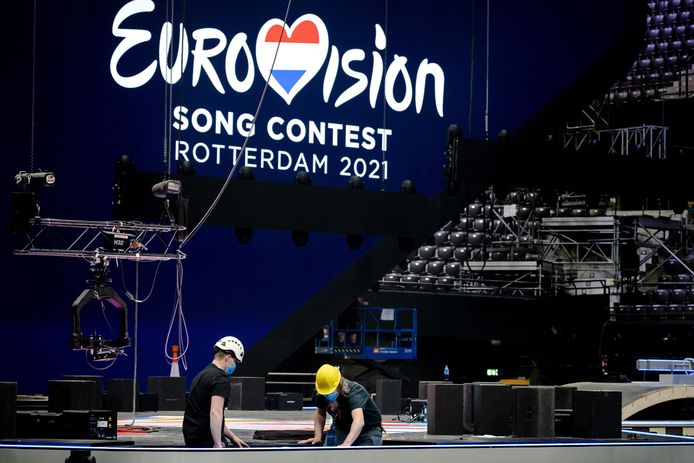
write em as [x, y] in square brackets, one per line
[186, 168]
[243, 234]
[407, 186]
[299, 238]
[125, 165]
[354, 241]
[246, 173]
[23, 201]
[34, 179]
[23, 209]
[302, 178]
[356, 182]
[451, 162]
[167, 188]
[503, 136]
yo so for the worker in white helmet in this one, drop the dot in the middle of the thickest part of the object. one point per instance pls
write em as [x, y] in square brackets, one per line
[203, 420]
[356, 417]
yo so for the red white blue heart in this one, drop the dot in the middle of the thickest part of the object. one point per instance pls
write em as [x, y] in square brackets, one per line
[302, 51]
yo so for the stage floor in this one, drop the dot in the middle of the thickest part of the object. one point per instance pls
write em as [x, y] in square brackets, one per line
[272, 428]
[164, 428]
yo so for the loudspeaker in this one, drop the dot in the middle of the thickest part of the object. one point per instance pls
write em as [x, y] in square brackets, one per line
[423, 385]
[247, 393]
[597, 414]
[468, 408]
[38, 424]
[445, 409]
[492, 409]
[533, 411]
[70, 424]
[563, 397]
[99, 386]
[120, 395]
[389, 396]
[92, 424]
[563, 410]
[148, 402]
[284, 401]
[69, 394]
[8, 410]
[171, 391]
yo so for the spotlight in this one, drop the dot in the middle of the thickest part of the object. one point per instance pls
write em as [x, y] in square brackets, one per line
[302, 178]
[124, 165]
[407, 186]
[243, 234]
[186, 168]
[356, 182]
[451, 161]
[167, 189]
[354, 242]
[23, 209]
[299, 238]
[34, 179]
[503, 135]
[246, 173]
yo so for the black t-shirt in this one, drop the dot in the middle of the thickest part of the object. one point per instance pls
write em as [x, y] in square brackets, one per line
[196, 419]
[341, 410]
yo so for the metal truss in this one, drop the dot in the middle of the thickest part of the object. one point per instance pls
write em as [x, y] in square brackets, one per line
[648, 139]
[651, 138]
[86, 239]
[653, 236]
[581, 253]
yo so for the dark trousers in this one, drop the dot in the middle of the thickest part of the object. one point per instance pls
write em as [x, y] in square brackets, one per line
[370, 437]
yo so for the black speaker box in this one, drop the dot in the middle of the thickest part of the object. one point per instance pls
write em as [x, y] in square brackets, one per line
[492, 409]
[563, 397]
[468, 408]
[89, 424]
[69, 424]
[423, 388]
[445, 409]
[284, 401]
[247, 393]
[563, 410]
[8, 410]
[271, 400]
[533, 411]
[38, 424]
[148, 402]
[389, 396]
[119, 395]
[597, 414]
[171, 391]
[70, 394]
[99, 386]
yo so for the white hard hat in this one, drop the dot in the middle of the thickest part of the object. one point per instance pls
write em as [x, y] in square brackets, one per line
[231, 344]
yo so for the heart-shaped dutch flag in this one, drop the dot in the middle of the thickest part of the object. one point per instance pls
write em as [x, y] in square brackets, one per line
[302, 51]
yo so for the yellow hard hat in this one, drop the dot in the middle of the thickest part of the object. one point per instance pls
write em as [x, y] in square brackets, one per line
[327, 379]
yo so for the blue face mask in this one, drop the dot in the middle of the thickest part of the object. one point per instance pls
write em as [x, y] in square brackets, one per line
[230, 369]
[332, 396]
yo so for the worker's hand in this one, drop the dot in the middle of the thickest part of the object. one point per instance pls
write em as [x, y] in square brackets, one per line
[311, 441]
[218, 445]
[238, 442]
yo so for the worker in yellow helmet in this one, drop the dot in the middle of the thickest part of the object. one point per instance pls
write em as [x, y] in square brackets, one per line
[356, 418]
